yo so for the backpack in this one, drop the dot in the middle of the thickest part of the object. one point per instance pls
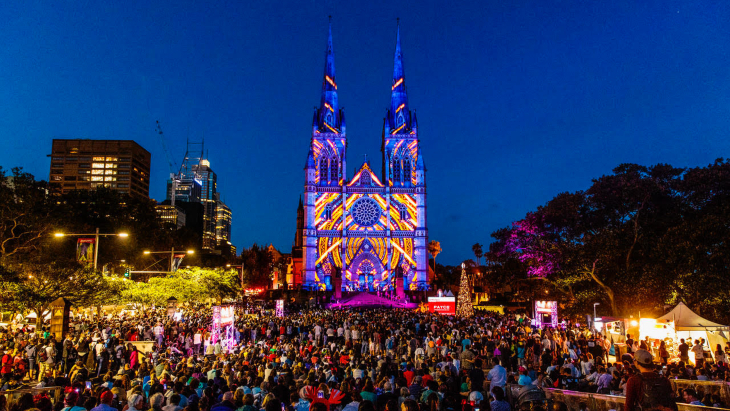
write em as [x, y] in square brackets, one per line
[657, 394]
[43, 355]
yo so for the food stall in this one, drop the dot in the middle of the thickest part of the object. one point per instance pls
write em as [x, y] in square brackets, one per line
[682, 322]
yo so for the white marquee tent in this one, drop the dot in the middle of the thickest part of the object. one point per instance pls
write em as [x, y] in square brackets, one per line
[687, 320]
[690, 326]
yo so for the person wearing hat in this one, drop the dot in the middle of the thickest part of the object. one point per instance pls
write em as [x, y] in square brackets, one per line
[106, 402]
[647, 389]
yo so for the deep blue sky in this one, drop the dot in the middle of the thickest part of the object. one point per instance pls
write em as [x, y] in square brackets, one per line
[517, 100]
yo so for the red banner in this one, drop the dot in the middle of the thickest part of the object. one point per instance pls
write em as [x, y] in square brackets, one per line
[442, 305]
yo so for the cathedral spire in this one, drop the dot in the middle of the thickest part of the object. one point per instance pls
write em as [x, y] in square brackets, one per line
[399, 115]
[328, 114]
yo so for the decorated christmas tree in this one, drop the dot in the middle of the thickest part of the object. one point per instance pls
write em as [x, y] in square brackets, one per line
[463, 303]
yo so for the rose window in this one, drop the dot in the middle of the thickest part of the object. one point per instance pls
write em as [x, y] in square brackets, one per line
[365, 212]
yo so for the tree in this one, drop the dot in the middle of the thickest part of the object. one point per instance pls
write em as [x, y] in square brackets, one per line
[194, 284]
[258, 263]
[25, 214]
[601, 239]
[478, 253]
[85, 210]
[434, 248]
[38, 284]
[464, 307]
[219, 283]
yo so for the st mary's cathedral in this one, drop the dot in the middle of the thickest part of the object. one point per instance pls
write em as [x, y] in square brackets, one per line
[363, 233]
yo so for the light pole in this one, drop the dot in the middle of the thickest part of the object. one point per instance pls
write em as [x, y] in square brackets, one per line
[172, 255]
[96, 239]
[594, 315]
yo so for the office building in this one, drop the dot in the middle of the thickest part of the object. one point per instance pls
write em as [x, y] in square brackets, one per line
[84, 164]
[171, 214]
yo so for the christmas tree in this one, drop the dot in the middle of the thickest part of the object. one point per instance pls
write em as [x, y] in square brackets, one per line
[463, 304]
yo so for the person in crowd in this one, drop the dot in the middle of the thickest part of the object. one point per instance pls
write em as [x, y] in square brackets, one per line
[647, 389]
[368, 358]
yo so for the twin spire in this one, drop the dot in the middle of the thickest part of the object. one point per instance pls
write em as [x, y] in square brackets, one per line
[399, 121]
[328, 118]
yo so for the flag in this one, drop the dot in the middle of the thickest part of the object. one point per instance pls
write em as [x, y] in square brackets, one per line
[176, 261]
[85, 251]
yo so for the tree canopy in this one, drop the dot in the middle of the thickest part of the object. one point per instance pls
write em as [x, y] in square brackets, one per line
[636, 239]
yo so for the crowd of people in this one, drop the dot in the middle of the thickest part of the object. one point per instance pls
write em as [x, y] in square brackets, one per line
[324, 360]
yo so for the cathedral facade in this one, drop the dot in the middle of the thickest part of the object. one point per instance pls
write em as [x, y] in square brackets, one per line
[362, 233]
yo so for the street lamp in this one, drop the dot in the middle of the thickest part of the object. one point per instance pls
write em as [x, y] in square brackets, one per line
[594, 314]
[172, 255]
[96, 239]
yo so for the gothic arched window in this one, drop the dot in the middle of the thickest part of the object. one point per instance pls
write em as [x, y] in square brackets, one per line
[396, 170]
[334, 171]
[403, 212]
[400, 120]
[323, 171]
[328, 119]
[327, 212]
[406, 170]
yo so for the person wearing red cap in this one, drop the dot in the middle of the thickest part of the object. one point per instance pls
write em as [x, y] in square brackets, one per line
[105, 402]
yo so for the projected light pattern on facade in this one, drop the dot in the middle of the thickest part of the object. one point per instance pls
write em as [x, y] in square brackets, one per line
[368, 229]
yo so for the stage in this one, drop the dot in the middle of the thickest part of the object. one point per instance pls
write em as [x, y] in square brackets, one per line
[365, 299]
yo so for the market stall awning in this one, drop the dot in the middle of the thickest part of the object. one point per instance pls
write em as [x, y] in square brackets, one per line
[687, 320]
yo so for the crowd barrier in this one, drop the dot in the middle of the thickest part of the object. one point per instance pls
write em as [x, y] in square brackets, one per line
[54, 393]
[602, 402]
[720, 388]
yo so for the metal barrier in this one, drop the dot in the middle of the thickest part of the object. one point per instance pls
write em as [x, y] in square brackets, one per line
[54, 393]
[595, 402]
[720, 388]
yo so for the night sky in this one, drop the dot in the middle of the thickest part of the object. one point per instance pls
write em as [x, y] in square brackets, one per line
[517, 101]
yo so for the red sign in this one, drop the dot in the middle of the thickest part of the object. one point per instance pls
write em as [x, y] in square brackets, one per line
[442, 305]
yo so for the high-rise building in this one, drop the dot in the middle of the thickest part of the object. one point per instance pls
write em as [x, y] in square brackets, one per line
[195, 189]
[171, 214]
[83, 164]
[364, 232]
[208, 181]
[223, 219]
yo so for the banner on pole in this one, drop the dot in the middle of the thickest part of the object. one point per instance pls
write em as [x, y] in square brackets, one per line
[85, 251]
[176, 261]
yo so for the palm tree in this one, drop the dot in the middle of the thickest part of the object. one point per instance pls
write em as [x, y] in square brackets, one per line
[478, 253]
[434, 248]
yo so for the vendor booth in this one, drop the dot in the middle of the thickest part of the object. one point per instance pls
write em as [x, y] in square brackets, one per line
[682, 322]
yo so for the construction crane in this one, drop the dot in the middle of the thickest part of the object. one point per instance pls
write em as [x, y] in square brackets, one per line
[158, 129]
[174, 176]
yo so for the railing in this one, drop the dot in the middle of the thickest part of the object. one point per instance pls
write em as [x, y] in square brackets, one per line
[54, 393]
[601, 402]
[703, 388]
